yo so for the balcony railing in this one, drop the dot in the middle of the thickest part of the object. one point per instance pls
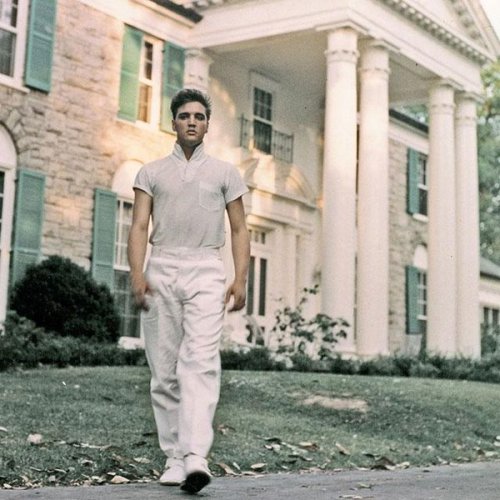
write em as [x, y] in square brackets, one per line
[261, 136]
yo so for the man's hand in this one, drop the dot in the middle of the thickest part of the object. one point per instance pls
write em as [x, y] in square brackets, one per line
[140, 289]
[239, 292]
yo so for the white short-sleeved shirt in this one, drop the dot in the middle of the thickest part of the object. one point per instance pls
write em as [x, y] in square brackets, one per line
[189, 198]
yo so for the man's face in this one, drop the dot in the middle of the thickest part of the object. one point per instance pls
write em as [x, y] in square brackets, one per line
[191, 124]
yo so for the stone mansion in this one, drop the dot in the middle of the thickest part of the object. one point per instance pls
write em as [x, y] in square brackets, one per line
[346, 190]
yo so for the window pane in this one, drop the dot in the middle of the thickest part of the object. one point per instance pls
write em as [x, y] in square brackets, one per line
[148, 60]
[8, 12]
[262, 287]
[251, 286]
[2, 182]
[263, 133]
[129, 315]
[7, 47]
[144, 103]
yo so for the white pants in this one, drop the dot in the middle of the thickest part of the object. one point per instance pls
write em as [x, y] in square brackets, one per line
[182, 331]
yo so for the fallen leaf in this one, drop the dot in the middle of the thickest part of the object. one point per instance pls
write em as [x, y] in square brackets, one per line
[354, 497]
[227, 470]
[119, 480]
[3, 429]
[142, 460]
[35, 439]
[273, 446]
[236, 466]
[309, 446]
[342, 450]
[403, 465]
[363, 486]
[274, 440]
[224, 429]
[7, 486]
[384, 463]
[258, 467]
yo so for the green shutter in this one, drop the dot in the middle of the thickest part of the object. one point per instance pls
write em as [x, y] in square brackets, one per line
[40, 44]
[412, 323]
[28, 222]
[129, 80]
[103, 246]
[412, 204]
[173, 81]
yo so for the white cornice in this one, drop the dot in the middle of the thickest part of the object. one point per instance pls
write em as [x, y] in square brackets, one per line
[474, 48]
[469, 48]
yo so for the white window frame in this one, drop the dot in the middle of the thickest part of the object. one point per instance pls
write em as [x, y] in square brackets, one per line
[8, 162]
[121, 264]
[155, 82]
[423, 184]
[259, 250]
[20, 32]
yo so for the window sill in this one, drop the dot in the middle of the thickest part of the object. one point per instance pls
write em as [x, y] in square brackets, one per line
[13, 84]
[144, 126]
[421, 218]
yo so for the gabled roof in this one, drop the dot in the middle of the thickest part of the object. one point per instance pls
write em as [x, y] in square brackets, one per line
[180, 9]
[476, 37]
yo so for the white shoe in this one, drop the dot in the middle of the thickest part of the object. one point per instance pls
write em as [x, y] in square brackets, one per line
[173, 475]
[197, 473]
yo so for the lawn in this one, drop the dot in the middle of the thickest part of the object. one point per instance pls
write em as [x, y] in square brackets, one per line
[94, 425]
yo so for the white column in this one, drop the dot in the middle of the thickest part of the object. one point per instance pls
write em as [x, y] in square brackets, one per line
[372, 282]
[197, 69]
[468, 331]
[441, 296]
[339, 181]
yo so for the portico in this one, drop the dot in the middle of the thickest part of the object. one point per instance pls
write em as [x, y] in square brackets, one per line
[333, 73]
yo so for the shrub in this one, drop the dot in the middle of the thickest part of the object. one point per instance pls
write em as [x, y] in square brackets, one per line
[315, 337]
[256, 358]
[24, 345]
[62, 297]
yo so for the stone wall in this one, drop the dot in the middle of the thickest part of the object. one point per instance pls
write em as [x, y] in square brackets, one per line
[72, 134]
[405, 234]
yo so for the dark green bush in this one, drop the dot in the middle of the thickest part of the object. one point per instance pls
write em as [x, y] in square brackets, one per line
[256, 358]
[62, 297]
[24, 345]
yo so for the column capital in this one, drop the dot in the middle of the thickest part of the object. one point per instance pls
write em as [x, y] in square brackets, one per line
[342, 44]
[197, 69]
[466, 110]
[375, 58]
[442, 97]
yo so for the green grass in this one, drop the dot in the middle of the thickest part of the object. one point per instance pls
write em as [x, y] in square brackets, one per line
[97, 422]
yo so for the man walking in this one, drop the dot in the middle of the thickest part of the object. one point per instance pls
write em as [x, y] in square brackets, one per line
[182, 293]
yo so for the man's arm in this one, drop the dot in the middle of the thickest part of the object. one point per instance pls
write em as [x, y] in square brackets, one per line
[240, 246]
[137, 244]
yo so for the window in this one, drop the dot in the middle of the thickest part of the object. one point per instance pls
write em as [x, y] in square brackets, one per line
[263, 117]
[257, 274]
[491, 320]
[417, 183]
[149, 80]
[152, 72]
[129, 315]
[416, 292]
[35, 41]
[422, 300]
[422, 184]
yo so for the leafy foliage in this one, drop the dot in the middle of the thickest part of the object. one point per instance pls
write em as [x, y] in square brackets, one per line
[23, 345]
[62, 297]
[489, 163]
[315, 337]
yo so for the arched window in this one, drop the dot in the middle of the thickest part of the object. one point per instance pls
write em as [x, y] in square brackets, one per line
[8, 161]
[416, 292]
[122, 187]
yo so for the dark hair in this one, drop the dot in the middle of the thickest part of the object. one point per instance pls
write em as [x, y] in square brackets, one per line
[190, 95]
